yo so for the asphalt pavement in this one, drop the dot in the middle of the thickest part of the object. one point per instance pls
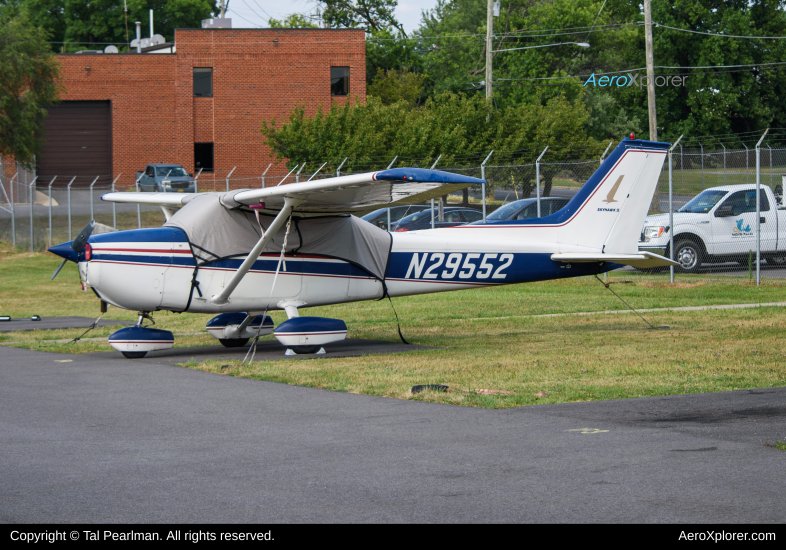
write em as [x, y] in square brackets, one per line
[94, 438]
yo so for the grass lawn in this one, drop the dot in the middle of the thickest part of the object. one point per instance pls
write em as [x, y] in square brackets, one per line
[488, 338]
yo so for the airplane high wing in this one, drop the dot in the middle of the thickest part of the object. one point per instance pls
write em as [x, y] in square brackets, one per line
[354, 194]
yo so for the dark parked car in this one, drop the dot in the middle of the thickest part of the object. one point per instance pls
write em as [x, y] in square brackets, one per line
[453, 215]
[526, 209]
[380, 217]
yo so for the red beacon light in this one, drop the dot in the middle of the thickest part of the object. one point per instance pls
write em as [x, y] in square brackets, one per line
[632, 135]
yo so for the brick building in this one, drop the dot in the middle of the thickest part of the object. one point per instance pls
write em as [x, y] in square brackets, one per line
[198, 102]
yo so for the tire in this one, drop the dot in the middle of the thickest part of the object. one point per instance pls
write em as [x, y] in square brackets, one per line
[689, 254]
[303, 350]
[233, 342]
[133, 354]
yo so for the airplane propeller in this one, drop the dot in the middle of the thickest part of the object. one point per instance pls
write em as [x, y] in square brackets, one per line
[76, 247]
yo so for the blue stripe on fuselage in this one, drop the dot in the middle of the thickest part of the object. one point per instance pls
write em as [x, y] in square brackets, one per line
[150, 235]
[294, 264]
[488, 268]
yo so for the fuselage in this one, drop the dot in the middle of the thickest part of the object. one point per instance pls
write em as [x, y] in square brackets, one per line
[153, 269]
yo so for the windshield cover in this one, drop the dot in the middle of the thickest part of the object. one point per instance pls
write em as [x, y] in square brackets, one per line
[703, 202]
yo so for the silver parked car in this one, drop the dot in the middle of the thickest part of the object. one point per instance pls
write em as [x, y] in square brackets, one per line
[165, 178]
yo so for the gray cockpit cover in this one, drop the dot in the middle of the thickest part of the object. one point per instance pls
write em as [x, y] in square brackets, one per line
[217, 232]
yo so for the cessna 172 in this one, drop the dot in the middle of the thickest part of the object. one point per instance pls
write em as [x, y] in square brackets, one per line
[239, 254]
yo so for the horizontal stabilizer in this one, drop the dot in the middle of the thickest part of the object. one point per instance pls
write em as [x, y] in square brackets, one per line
[156, 199]
[642, 260]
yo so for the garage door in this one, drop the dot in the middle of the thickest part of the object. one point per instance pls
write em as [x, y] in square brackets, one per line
[78, 143]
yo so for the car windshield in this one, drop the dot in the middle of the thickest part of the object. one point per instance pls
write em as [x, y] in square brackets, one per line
[416, 216]
[396, 213]
[506, 211]
[177, 171]
[703, 202]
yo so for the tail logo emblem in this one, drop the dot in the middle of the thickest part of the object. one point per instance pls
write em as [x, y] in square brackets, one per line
[610, 196]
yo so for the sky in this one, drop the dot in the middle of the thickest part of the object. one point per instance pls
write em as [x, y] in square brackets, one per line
[255, 13]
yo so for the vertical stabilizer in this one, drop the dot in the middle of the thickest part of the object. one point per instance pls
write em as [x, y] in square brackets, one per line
[609, 211]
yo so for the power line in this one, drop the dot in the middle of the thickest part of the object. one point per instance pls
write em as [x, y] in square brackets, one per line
[720, 34]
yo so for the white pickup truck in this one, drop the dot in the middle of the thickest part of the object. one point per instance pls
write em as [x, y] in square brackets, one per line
[719, 225]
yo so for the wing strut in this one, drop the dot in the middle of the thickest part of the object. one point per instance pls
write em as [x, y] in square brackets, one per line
[278, 222]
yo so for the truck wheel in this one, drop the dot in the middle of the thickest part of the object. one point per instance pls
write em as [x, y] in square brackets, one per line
[689, 255]
[233, 342]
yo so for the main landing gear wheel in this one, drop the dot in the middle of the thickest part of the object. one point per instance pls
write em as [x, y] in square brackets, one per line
[303, 350]
[134, 354]
[233, 342]
[689, 254]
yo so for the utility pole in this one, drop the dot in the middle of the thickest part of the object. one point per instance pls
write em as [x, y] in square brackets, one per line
[489, 34]
[222, 6]
[650, 70]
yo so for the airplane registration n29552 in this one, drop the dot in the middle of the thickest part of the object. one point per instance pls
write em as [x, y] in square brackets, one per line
[240, 254]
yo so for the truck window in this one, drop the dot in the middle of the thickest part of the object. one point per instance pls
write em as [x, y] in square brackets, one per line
[150, 172]
[745, 201]
[703, 202]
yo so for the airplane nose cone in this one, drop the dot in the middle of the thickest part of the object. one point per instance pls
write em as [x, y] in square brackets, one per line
[65, 251]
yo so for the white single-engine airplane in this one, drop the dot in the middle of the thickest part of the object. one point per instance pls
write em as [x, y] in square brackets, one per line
[242, 253]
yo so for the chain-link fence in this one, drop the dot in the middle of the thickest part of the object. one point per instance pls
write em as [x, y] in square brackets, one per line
[714, 225]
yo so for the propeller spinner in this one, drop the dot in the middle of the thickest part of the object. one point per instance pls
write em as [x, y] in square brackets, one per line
[71, 251]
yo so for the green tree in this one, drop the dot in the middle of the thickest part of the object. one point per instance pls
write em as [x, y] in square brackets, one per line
[723, 100]
[75, 24]
[29, 81]
[452, 125]
[394, 86]
[388, 49]
[293, 21]
[371, 15]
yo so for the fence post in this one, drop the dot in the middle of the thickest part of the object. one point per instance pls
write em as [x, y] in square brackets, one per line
[770, 149]
[604, 153]
[682, 168]
[537, 177]
[746, 162]
[92, 216]
[265, 172]
[114, 206]
[338, 170]
[13, 213]
[230, 173]
[724, 163]
[68, 192]
[138, 208]
[285, 177]
[702, 166]
[50, 210]
[671, 212]
[196, 188]
[317, 172]
[32, 202]
[758, 208]
[388, 168]
[483, 185]
[432, 200]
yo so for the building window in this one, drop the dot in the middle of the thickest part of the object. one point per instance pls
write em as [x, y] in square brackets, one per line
[203, 157]
[339, 81]
[203, 81]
